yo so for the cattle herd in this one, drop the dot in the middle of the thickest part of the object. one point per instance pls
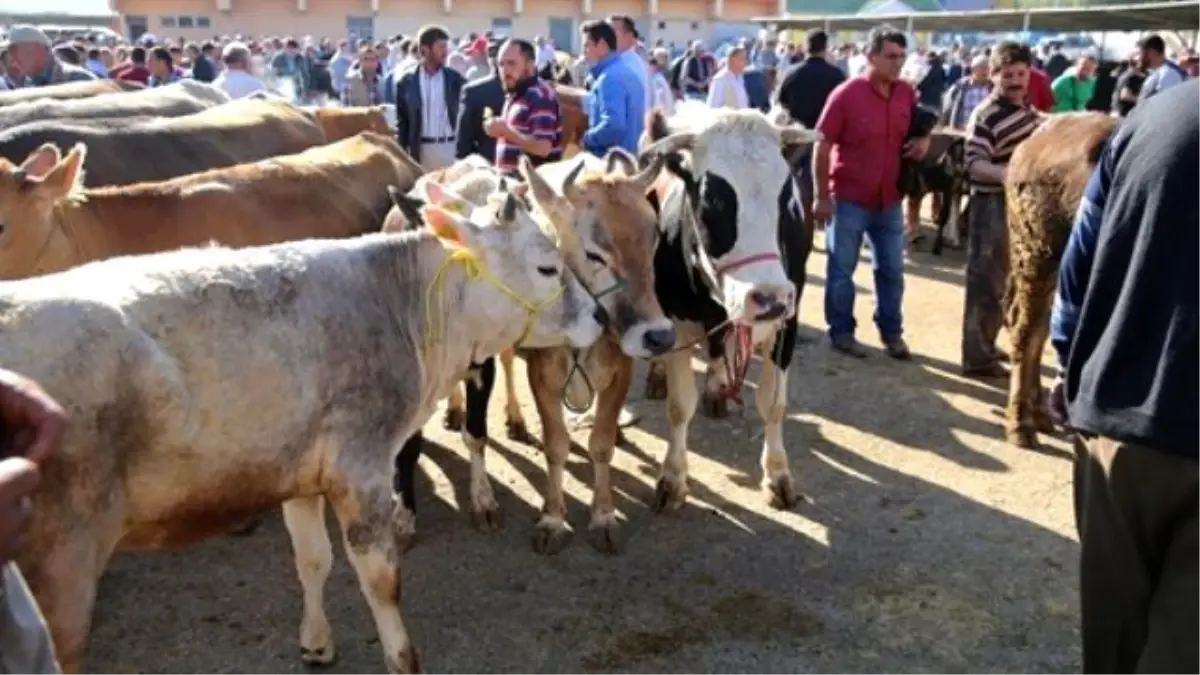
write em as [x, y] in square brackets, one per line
[247, 304]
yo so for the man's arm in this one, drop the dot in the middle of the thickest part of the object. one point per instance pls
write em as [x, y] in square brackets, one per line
[606, 131]
[831, 124]
[1077, 259]
[1064, 93]
[543, 127]
[977, 155]
[716, 93]
[403, 123]
[467, 126]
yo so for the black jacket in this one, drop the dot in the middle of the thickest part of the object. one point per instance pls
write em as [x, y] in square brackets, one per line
[202, 69]
[485, 93]
[806, 88]
[409, 105]
[1132, 369]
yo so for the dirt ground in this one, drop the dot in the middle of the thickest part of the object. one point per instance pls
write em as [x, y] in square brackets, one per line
[926, 543]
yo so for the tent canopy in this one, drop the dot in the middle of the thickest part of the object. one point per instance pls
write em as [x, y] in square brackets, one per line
[1148, 16]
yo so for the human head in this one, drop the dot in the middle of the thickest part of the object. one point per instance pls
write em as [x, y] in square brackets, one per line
[433, 43]
[291, 46]
[1153, 51]
[161, 62]
[368, 60]
[736, 60]
[1085, 65]
[1010, 64]
[980, 68]
[236, 56]
[625, 30]
[518, 59]
[28, 49]
[137, 56]
[886, 48]
[818, 42]
[599, 40]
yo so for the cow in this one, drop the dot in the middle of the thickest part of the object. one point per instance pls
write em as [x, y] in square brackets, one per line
[574, 118]
[1046, 177]
[173, 100]
[124, 152]
[206, 385]
[67, 90]
[605, 202]
[52, 223]
[343, 122]
[940, 173]
[728, 269]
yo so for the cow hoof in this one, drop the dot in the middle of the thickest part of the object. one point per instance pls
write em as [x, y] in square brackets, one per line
[244, 528]
[604, 534]
[453, 419]
[487, 518]
[783, 492]
[550, 536]
[405, 662]
[656, 386]
[321, 656]
[316, 644]
[517, 431]
[715, 406]
[668, 495]
[1023, 437]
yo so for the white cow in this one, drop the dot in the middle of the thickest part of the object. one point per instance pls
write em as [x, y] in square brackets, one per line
[208, 385]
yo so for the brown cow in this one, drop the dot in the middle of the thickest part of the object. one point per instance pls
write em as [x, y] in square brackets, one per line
[339, 123]
[53, 223]
[160, 149]
[67, 90]
[574, 118]
[1044, 186]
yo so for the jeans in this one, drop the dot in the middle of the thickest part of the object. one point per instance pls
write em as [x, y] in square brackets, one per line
[843, 240]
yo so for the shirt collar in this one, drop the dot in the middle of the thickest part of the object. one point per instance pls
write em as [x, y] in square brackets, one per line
[604, 63]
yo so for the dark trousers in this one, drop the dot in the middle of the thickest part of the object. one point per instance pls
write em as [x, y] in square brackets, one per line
[987, 274]
[1136, 509]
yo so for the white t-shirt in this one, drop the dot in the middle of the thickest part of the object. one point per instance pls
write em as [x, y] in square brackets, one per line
[238, 83]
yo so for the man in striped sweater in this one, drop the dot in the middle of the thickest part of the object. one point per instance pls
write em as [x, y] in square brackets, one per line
[995, 128]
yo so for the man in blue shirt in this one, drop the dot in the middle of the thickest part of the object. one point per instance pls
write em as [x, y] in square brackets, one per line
[1125, 329]
[616, 106]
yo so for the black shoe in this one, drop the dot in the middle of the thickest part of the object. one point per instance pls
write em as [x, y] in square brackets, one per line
[898, 349]
[993, 371]
[847, 345]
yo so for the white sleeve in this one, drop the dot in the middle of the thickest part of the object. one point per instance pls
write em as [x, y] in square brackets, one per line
[716, 92]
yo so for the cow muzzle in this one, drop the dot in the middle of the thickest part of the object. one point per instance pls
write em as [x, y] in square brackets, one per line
[769, 304]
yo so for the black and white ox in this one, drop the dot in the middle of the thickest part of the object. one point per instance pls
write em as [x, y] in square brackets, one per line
[730, 261]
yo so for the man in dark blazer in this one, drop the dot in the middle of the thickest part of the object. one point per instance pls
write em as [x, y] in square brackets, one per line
[435, 147]
[757, 92]
[484, 93]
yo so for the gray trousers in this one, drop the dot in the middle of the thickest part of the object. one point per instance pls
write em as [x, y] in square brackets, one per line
[25, 644]
[1136, 510]
[987, 274]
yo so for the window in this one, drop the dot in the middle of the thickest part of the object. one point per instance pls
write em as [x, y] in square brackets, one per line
[168, 22]
[185, 22]
[203, 22]
[502, 27]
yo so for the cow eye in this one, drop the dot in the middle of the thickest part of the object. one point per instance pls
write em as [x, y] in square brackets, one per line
[595, 257]
[547, 271]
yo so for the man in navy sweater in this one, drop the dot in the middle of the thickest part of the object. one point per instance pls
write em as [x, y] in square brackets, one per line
[1125, 328]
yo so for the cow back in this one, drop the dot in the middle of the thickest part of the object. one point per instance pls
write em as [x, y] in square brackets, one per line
[66, 90]
[339, 123]
[170, 101]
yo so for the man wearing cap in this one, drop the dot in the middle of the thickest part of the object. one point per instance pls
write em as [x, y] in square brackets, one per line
[479, 67]
[966, 94]
[32, 62]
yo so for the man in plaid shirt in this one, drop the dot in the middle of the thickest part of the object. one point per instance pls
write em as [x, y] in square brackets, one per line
[531, 124]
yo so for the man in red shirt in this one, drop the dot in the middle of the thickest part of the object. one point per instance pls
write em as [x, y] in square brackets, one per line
[134, 69]
[1041, 97]
[865, 127]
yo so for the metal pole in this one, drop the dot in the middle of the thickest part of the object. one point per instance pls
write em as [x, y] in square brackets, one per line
[1025, 22]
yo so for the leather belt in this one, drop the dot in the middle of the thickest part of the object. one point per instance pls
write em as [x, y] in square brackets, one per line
[443, 139]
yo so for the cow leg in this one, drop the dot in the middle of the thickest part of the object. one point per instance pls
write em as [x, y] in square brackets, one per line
[514, 421]
[671, 490]
[64, 584]
[404, 486]
[305, 521]
[713, 402]
[453, 418]
[364, 507]
[1029, 318]
[771, 399]
[547, 373]
[604, 528]
[656, 381]
[485, 512]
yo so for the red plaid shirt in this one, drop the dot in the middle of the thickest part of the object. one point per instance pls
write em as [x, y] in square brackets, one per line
[531, 110]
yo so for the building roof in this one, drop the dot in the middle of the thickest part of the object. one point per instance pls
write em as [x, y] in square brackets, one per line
[26, 8]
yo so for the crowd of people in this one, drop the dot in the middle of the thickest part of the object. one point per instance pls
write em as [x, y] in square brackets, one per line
[490, 96]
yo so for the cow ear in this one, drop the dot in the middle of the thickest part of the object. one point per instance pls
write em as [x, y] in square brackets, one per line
[543, 195]
[67, 175]
[451, 227]
[41, 161]
[439, 195]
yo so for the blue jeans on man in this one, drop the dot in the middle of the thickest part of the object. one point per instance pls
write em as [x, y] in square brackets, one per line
[843, 240]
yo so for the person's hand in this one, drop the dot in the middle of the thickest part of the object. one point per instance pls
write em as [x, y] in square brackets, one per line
[916, 148]
[822, 211]
[18, 480]
[31, 423]
[498, 129]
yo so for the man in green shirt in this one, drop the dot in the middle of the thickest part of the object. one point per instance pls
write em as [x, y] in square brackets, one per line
[1075, 87]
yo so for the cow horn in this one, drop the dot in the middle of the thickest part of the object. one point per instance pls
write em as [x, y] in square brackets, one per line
[798, 135]
[508, 212]
[646, 176]
[503, 187]
[620, 157]
[673, 143]
[568, 187]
